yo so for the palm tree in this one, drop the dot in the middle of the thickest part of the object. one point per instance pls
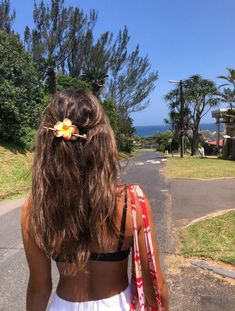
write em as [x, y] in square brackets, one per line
[174, 116]
[228, 95]
[96, 78]
[200, 95]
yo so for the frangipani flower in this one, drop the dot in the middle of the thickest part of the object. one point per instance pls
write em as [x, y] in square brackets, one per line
[66, 130]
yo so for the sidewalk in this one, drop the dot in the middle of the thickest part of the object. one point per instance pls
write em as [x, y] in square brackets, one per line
[9, 205]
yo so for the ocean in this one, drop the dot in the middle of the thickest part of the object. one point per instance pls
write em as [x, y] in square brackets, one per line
[150, 130]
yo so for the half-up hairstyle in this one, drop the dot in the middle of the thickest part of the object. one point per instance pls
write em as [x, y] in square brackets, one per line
[72, 200]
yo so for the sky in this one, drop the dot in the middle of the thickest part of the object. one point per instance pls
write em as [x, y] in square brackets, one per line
[180, 37]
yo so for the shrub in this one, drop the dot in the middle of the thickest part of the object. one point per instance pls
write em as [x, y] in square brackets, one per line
[21, 100]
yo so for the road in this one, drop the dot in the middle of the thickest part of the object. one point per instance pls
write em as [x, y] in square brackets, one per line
[190, 288]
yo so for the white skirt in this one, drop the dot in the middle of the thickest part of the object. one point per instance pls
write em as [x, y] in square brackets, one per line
[119, 302]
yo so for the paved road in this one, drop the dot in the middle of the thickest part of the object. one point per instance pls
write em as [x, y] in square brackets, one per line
[193, 199]
[174, 204]
[191, 288]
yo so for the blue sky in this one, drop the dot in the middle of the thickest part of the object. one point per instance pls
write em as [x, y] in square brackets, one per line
[180, 37]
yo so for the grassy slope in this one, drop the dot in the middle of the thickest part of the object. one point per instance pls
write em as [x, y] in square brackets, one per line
[15, 173]
[211, 238]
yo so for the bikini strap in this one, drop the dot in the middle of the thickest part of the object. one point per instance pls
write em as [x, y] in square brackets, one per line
[123, 222]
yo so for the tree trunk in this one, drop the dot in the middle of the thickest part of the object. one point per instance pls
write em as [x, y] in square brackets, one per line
[194, 142]
[51, 81]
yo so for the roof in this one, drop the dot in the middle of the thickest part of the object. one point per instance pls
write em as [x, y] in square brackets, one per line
[206, 133]
[219, 112]
[214, 142]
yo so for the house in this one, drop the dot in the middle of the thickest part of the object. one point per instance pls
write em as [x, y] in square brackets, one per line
[227, 117]
[206, 134]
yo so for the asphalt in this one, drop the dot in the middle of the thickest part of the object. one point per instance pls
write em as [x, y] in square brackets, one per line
[193, 199]
[175, 203]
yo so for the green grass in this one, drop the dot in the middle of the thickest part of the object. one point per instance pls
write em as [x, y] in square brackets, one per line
[193, 167]
[212, 238]
[129, 154]
[15, 177]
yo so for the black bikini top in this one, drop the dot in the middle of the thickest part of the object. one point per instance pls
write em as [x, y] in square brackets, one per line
[119, 254]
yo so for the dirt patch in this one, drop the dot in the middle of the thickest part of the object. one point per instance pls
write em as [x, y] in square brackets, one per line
[194, 289]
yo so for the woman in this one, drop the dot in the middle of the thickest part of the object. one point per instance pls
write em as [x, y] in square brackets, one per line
[78, 215]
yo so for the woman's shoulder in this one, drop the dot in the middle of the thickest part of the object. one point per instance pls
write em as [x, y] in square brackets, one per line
[25, 212]
[125, 185]
[134, 188]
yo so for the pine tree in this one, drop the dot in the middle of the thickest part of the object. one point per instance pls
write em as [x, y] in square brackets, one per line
[52, 40]
[6, 18]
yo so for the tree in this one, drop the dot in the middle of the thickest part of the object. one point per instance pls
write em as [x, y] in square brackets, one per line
[173, 99]
[52, 40]
[6, 19]
[66, 82]
[200, 95]
[63, 41]
[125, 131]
[130, 77]
[112, 114]
[227, 95]
[96, 78]
[21, 102]
[88, 54]
[162, 140]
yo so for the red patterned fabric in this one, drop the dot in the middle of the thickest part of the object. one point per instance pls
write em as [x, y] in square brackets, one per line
[139, 300]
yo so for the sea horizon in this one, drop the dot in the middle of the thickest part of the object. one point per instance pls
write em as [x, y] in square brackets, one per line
[150, 130]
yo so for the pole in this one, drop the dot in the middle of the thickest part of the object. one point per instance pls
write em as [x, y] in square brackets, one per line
[217, 133]
[181, 119]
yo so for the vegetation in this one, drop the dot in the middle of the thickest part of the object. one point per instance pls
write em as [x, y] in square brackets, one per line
[6, 18]
[195, 167]
[111, 111]
[67, 82]
[15, 177]
[227, 94]
[21, 102]
[60, 51]
[96, 78]
[199, 96]
[165, 141]
[212, 238]
[54, 36]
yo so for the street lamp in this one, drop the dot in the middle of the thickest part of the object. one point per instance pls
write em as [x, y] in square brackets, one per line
[180, 82]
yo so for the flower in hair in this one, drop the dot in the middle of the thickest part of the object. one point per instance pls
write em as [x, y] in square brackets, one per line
[66, 130]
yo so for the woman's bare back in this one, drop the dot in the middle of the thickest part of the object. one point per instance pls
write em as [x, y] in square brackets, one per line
[99, 279]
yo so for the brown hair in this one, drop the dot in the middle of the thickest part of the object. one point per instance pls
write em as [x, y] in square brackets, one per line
[72, 201]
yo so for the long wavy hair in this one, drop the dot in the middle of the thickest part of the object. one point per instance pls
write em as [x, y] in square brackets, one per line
[73, 195]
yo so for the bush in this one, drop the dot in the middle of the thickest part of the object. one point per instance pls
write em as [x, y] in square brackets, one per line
[21, 101]
[111, 112]
[66, 82]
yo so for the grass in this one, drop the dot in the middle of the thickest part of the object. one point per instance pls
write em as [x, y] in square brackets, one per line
[15, 174]
[194, 167]
[129, 154]
[212, 238]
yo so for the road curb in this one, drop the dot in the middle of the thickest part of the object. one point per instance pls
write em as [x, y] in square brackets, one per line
[7, 206]
[203, 265]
